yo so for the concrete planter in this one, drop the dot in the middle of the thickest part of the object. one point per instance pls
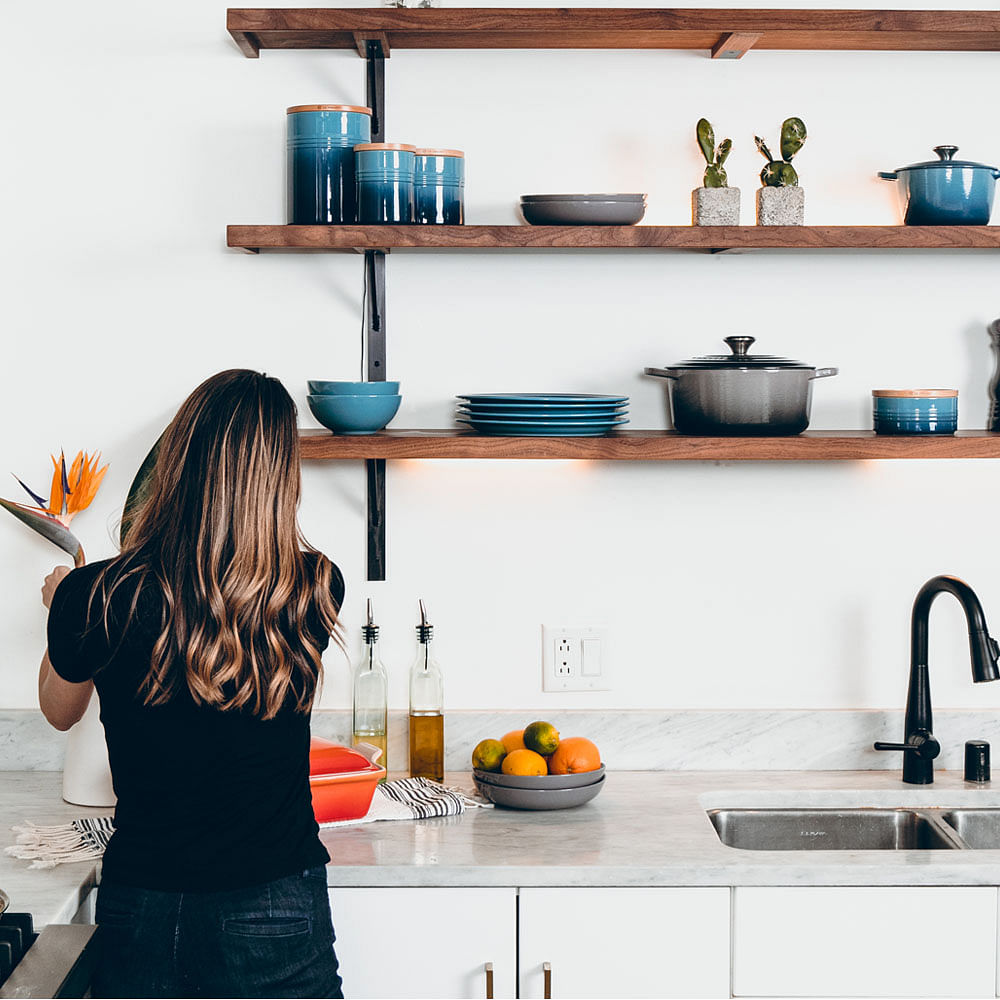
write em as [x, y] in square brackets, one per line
[781, 206]
[715, 206]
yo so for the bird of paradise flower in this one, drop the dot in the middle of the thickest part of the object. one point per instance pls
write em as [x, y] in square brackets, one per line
[72, 490]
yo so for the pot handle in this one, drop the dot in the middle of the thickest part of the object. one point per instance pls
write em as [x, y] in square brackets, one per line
[888, 175]
[824, 373]
[996, 174]
[659, 373]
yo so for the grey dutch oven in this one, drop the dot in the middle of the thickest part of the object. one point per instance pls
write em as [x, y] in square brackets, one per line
[946, 191]
[740, 393]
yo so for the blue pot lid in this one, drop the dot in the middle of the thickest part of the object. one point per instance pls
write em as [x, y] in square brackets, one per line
[739, 359]
[945, 161]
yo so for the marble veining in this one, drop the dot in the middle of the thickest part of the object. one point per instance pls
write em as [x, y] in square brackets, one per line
[732, 740]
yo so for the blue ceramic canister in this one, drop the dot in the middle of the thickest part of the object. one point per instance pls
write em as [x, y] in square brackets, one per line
[385, 182]
[320, 162]
[439, 186]
[915, 411]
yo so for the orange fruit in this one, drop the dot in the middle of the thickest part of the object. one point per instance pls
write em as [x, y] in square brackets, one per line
[542, 737]
[573, 755]
[488, 755]
[514, 740]
[523, 762]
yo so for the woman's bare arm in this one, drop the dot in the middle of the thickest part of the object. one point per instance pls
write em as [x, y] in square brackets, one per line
[62, 702]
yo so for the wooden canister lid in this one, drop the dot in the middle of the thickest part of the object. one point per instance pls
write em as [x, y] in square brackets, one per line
[385, 145]
[440, 152]
[357, 109]
[915, 393]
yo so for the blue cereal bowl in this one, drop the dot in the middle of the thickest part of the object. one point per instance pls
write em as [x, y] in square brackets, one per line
[319, 387]
[915, 411]
[354, 414]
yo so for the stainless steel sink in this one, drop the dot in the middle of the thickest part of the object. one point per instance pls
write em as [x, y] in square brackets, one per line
[835, 830]
[979, 828]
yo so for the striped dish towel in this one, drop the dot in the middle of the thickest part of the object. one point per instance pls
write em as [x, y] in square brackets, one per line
[414, 798]
[85, 839]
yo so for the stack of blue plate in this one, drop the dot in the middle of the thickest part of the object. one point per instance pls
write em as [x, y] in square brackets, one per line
[560, 414]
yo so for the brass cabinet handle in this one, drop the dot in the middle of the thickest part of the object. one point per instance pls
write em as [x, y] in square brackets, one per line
[547, 974]
[489, 981]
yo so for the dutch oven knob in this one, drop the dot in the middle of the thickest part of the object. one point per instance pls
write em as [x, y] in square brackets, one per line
[946, 152]
[740, 345]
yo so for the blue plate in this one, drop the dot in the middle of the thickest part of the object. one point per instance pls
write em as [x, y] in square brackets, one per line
[549, 413]
[545, 424]
[506, 430]
[557, 398]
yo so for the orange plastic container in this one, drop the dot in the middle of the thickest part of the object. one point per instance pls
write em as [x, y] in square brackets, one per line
[342, 779]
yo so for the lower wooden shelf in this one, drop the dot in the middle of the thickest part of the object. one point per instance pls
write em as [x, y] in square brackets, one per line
[656, 446]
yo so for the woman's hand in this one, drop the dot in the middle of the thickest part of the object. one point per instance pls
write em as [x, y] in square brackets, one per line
[51, 582]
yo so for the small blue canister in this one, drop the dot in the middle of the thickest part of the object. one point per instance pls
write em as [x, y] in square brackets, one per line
[439, 186]
[320, 162]
[385, 182]
[915, 411]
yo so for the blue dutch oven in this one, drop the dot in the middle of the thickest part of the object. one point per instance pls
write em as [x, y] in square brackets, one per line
[945, 192]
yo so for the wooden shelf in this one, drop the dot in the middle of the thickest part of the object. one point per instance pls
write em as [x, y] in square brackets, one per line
[724, 33]
[660, 446]
[706, 238]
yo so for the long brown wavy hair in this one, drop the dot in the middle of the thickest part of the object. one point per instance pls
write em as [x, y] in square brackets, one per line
[217, 530]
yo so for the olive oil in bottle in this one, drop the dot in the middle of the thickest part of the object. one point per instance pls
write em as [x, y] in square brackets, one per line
[371, 693]
[426, 708]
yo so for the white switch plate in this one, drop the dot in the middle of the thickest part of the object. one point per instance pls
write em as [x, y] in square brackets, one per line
[575, 659]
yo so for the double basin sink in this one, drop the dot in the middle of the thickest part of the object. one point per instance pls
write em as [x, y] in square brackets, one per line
[858, 829]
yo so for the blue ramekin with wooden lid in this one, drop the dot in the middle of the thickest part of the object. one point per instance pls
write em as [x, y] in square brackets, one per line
[915, 411]
[439, 187]
[322, 189]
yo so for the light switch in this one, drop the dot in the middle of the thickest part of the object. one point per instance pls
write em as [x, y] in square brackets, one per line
[591, 658]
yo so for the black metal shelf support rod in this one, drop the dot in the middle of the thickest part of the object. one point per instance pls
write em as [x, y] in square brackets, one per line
[374, 284]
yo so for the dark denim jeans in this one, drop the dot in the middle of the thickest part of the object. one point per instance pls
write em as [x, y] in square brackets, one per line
[272, 940]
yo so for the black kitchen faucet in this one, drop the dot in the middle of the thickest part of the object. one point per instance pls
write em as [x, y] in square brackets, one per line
[920, 748]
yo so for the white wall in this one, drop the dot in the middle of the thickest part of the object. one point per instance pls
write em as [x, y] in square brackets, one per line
[135, 132]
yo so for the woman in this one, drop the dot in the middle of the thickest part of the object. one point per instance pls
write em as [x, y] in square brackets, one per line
[203, 639]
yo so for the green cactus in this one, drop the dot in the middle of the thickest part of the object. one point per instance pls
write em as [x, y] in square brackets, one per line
[781, 173]
[715, 157]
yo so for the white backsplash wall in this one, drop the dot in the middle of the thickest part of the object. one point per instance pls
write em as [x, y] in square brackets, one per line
[133, 139]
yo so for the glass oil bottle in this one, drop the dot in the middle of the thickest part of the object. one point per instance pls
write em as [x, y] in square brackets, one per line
[371, 694]
[426, 708]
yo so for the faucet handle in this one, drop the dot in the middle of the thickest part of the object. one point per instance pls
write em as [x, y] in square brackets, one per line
[921, 743]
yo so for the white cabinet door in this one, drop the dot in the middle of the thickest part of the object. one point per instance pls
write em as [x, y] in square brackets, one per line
[865, 942]
[625, 942]
[414, 943]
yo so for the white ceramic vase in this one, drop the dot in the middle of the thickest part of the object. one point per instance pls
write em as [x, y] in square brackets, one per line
[86, 771]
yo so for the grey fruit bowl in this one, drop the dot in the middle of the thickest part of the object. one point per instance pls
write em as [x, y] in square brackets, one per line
[582, 213]
[540, 781]
[539, 798]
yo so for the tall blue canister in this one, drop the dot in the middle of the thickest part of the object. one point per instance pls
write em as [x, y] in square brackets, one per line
[320, 162]
[385, 182]
[439, 186]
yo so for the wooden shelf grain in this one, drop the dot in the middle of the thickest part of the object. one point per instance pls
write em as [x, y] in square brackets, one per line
[705, 238]
[660, 446]
[723, 33]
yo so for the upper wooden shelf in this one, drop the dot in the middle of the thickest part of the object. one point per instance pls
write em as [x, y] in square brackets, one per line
[724, 33]
[816, 446]
[360, 238]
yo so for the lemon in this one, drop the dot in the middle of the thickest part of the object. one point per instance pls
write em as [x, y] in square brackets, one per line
[542, 737]
[524, 762]
[488, 755]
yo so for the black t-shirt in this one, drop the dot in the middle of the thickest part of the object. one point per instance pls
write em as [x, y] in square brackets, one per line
[207, 800]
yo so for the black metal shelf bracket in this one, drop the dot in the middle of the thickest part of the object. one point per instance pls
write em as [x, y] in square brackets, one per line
[374, 296]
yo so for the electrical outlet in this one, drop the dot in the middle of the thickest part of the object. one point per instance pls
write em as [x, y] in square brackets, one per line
[574, 659]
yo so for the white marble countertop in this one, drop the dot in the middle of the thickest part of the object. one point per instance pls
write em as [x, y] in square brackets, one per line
[645, 828]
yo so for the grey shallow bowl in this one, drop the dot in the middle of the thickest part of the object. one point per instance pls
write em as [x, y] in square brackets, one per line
[583, 197]
[539, 798]
[583, 213]
[539, 781]
[322, 387]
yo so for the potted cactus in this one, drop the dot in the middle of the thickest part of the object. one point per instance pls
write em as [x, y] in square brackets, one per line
[715, 203]
[780, 200]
